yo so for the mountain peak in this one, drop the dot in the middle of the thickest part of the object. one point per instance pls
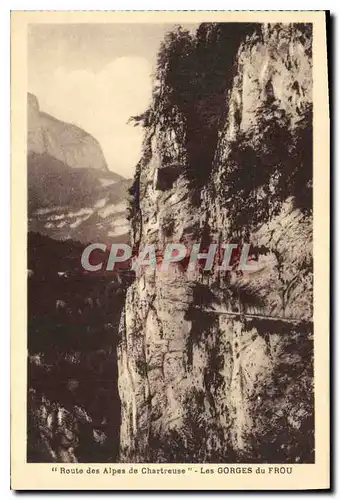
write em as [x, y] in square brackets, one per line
[63, 141]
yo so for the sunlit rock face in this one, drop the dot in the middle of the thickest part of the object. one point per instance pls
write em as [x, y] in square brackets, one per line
[217, 366]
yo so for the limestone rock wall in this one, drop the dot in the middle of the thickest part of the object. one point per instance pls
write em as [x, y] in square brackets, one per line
[215, 368]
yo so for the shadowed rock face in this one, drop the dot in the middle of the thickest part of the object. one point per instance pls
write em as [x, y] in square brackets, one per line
[218, 366]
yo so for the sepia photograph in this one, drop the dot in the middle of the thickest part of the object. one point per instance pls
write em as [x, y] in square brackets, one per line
[170, 246]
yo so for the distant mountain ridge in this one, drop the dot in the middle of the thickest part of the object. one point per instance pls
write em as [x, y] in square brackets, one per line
[71, 192]
[73, 314]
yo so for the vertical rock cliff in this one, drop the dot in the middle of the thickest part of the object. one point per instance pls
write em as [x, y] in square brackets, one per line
[216, 365]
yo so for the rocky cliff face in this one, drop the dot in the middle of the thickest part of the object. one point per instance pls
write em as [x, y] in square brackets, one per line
[217, 366]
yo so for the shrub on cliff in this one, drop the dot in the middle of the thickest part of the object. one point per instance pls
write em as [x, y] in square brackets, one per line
[193, 76]
[269, 163]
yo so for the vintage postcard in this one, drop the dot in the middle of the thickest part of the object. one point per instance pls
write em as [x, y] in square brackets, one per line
[170, 251]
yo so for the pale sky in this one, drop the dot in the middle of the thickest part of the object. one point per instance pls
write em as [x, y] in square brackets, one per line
[96, 76]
